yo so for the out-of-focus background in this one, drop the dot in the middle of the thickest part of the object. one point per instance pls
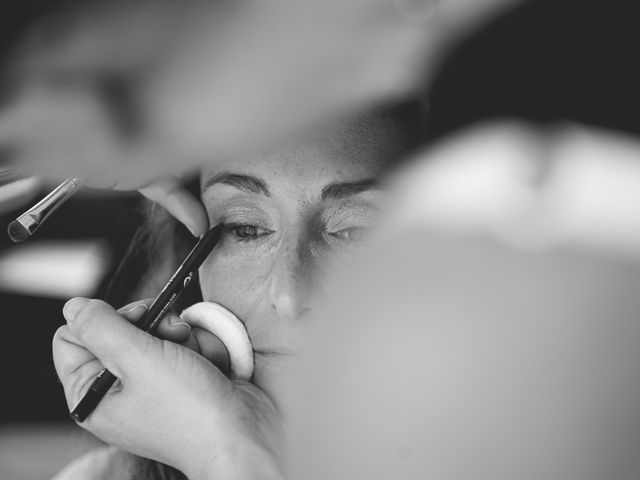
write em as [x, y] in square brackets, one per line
[74, 254]
[550, 61]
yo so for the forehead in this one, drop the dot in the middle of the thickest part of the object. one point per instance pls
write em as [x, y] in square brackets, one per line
[348, 151]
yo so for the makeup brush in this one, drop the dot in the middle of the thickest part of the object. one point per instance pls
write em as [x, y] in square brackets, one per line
[26, 224]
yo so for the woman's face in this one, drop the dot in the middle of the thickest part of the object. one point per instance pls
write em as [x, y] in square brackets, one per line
[289, 214]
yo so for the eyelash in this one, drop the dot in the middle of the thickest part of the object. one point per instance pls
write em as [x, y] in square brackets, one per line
[232, 229]
[343, 234]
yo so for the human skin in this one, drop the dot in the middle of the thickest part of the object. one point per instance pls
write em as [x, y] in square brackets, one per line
[322, 198]
[312, 205]
[171, 404]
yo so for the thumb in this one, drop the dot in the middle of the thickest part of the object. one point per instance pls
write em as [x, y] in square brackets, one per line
[120, 346]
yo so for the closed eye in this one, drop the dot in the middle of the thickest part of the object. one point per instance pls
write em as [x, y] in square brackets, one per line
[352, 234]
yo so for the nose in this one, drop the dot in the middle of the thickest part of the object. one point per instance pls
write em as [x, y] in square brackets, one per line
[290, 284]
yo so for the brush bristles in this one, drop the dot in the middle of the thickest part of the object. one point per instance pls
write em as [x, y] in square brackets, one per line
[18, 232]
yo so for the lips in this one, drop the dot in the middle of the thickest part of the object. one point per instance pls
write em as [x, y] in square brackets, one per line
[274, 337]
[277, 342]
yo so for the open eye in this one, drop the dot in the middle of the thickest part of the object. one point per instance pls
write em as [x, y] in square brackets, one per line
[245, 232]
[352, 234]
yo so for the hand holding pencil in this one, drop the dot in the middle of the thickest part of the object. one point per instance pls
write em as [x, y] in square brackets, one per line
[172, 405]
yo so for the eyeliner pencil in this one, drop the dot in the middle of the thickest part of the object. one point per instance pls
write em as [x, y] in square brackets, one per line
[157, 311]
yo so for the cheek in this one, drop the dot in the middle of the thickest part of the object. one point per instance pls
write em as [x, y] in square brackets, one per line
[235, 284]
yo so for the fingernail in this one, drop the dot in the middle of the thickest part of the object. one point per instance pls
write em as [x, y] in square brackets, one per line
[195, 230]
[72, 307]
[176, 321]
[192, 230]
[135, 307]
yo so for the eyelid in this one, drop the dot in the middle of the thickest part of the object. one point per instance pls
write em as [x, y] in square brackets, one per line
[349, 216]
[240, 216]
[237, 210]
[230, 225]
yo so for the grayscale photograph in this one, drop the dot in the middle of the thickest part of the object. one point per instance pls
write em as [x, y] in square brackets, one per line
[319, 240]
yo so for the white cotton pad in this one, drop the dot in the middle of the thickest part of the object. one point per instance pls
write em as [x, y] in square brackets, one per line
[230, 330]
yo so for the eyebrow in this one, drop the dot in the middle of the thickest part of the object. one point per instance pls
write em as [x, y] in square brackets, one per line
[247, 183]
[340, 190]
